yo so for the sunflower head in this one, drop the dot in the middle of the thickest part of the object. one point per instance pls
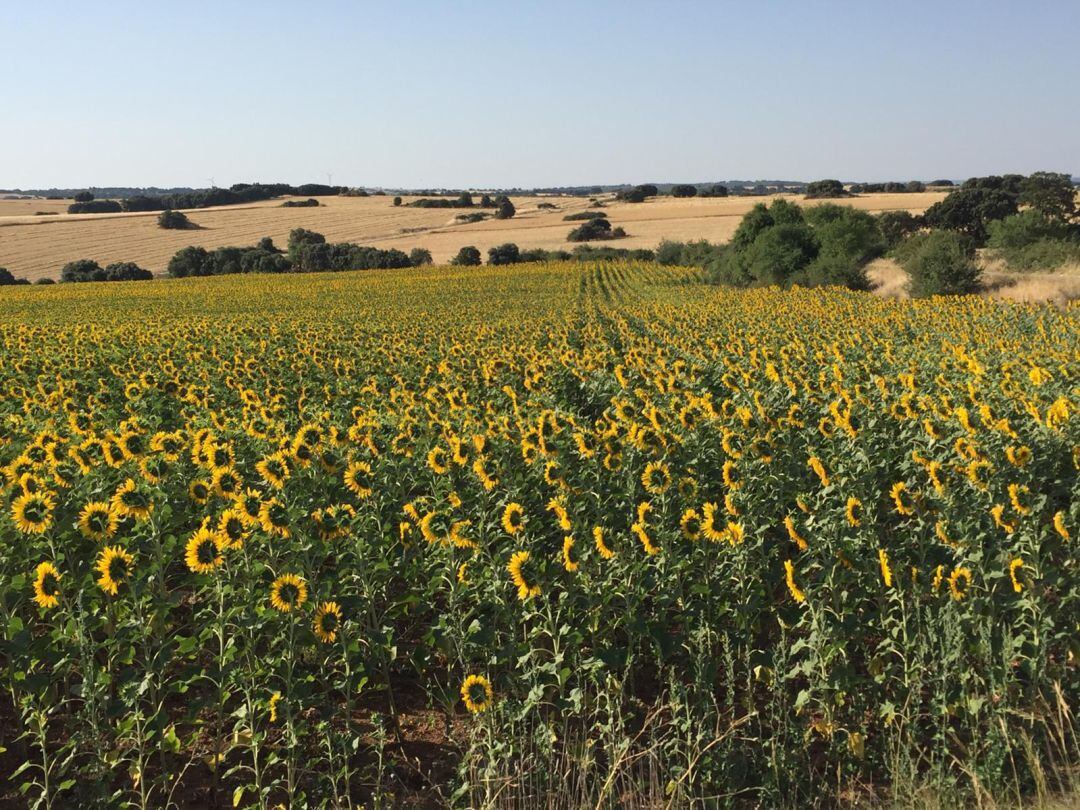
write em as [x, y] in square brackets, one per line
[114, 566]
[46, 585]
[288, 592]
[32, 512]
[203, 551]
[477, 694]
[327, 621]
[513, 518]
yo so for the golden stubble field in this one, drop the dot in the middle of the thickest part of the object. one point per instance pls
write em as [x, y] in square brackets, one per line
[34, 247]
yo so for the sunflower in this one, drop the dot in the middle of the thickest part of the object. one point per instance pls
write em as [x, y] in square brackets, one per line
[461, 574]
[656, 478]
[602, 547]
[556, 506]
[479, 467]
[46, 585]
[32, 512]
[789, 576]
[274, 469]
[327, 621]
[232, 529]
[248, 504]
[288, 592]
[98, 521]
[886, 571]
[132, 500]
[437, 460]
[203, 551]
[1014, 566]
[516, 565]
[955, 578]
[358, 479]
[1059, 525]
[114, 564]
[735, 533]
[646, 542]
[568, 561]
[905, 504]
[274, 518]
[477, 694]
[272, 706]
[709, 525]
[997, 512]
[730, 474]
[1018, 456]
[226, 482]
[1017, 492]
[690, 524]
[819, 469]
[513, 518]
[793, 534]
[199, 491]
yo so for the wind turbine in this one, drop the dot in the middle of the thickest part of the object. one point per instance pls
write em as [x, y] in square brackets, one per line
[211, 179]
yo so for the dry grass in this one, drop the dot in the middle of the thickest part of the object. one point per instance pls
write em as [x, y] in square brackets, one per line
[36, 247]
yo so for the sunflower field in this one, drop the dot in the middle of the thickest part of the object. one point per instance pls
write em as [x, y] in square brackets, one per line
[543, 535]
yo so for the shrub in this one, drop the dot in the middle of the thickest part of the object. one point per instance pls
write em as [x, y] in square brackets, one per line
[126, 271]
[84, 197]
[634, 195]
[823, 189]
[895, 226]
[45, 281]
[684, 190]
[173, 220]
[468, 256]
[598, 228]
[267, 244]
[141, 202]
[472, 216]
[546, 206]
[8, 280]
[779, 253]
[1051, 194]
[419, 256]
[310, 202]
[95, 207]
[505, 209]
[969, 210]
[82, 270]
[581, 216]
[1030, 240]
[397, 201]
[940, 263]
[302, 236]
[507, 253]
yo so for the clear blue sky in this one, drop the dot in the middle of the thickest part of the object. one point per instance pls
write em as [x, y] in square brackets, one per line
[517, 93]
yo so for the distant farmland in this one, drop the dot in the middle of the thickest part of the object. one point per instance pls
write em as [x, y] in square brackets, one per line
[36, 246]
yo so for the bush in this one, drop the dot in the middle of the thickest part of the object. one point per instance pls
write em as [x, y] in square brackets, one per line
[45, 281]
[940, 263]
[84, 197]
[267, 244]
[126, 271]
[1030, 240]
[691, 254]
[581, 216]
[824, 189]
[310, 202]
[634, 195]
[140, 202]
[505, 209]
[84, 270]
[779, 253]
[472, 216]
[598, 228]
[95, 207]
[419, 256]
[504, 254]
[188, 261]
[174, 220]
[302, 236]
[468, 256]
[397, 201]
[546, 206]
[896, 226]
[970, 209]
[1051, 194]
[684, 190]
[8, 280]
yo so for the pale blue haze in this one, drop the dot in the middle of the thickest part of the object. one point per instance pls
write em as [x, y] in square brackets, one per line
[424, 94]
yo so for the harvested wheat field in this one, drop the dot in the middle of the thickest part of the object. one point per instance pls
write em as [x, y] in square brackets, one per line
[36, 247]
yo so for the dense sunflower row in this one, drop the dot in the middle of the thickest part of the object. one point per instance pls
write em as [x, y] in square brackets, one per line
[243, 514]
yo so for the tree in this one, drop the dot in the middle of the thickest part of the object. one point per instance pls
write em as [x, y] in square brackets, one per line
[82, 270]
[8, 280]
[824, 189]
[634, 195]
[896, 226]
[468, 256]
[756, 220]
[267, 244]
[683, 190]
[1051, 194]
[914, 187]
[174, 220]
[126, 271]
[940, 263]
[598, 228]
[419, 256]
[505, 209]
[302, 236]
[84, 197]
[504, 254]
[648, 189]
[970, 209]
[189, 261]
[397, 201]
[464, 200]
[780, 252]
[718, 190]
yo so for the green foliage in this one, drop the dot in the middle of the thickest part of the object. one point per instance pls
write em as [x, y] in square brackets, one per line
[684, 190]
[84, 270]
[969, 210]
[397, 201]
[821, 189]
[507, 253]
[310, 202]
[419, 257]
[95, 207]
[468, 256]
[596, 228]
[1052, 194]
[504, 208]
[939, 263]
[174, 220]
[84, 197]
[581, 216]
[896, 226]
